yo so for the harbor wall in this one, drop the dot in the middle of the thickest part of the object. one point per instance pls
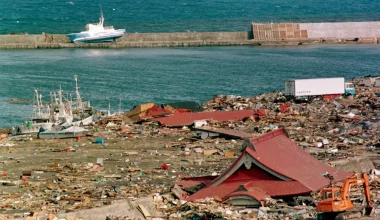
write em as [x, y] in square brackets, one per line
[337, 30]
[129, 40]
[188, 36]
[261, 34]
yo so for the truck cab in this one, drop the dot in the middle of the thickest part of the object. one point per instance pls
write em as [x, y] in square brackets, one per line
[349, 89]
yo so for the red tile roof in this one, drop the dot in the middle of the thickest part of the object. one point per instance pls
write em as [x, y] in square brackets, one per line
[283, 156]
[186, 119]
[290, 170]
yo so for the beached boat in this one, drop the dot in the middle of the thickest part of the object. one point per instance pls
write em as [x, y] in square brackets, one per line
[97, 33]
[60, 111]
[40, 118]
[32, 126]
[62, 132]
[83, 122]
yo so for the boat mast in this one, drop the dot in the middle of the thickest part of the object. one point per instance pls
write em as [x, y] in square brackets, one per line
[70, 102]
[38, 111]
[79, 98]
[55, 98]
[61, 105]
[101, 19]
[51, 98]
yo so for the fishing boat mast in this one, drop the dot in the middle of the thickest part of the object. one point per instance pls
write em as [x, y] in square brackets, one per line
[37, 106]
[79, 98]
[61, 105]
[101, 19]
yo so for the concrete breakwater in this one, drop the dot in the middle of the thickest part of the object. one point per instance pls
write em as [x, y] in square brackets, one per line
[130, 40]
[260, 34]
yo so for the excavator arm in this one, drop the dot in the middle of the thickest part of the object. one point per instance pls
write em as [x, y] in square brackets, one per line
[340, 206]
[357, 180]
[367, 191]
[346, 188]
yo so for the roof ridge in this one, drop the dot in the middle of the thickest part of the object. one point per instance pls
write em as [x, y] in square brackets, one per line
[267, 136]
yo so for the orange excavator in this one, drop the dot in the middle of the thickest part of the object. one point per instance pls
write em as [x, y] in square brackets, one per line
[336, 202]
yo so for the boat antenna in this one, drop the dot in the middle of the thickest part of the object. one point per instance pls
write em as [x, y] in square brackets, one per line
[101, 19]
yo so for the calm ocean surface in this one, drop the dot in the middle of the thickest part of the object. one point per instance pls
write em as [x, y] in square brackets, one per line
[170, 74]
[66, 16]
[174, 74]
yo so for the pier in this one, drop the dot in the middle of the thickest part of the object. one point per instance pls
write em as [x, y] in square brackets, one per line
[260, 34]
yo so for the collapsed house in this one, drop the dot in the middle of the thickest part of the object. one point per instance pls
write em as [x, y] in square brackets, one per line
[187, 119]
[273, 166]
[152, 110]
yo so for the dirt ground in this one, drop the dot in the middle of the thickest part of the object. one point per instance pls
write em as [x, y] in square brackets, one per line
[60, 176]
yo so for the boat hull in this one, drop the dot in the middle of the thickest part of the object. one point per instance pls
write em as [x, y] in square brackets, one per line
[100, 37]
[59, 134]
[71, 132]
[83, 122]
[33, 128]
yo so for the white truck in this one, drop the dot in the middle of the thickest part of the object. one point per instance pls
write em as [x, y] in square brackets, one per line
[306, 88]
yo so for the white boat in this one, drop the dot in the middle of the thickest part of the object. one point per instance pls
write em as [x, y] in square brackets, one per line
[58, 112]
[83, 109]
[62, 132]
[83, 122]
[69, 112]
[97, 33]
[39, 120]
[32, 126]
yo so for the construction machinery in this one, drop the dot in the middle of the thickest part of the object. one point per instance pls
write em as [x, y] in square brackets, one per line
[336, 202]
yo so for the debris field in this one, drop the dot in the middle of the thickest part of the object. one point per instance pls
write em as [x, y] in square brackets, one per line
[139, 158]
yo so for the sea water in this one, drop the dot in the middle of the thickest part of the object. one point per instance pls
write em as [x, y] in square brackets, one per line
[171, 74]
[67, 16]
[164, 75]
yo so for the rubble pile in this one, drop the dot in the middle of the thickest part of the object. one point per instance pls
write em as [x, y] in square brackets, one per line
[211, 208]
[120, 160]
[330, 124]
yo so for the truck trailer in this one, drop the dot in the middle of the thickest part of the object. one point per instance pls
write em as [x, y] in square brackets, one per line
[327, 87]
